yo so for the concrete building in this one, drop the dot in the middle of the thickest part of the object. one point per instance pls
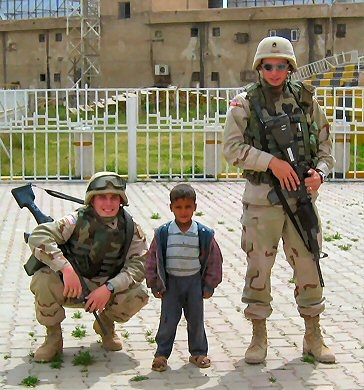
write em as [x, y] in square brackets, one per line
[143, 43]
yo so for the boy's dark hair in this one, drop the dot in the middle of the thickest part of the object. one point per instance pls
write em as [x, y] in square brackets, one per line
[182, 191]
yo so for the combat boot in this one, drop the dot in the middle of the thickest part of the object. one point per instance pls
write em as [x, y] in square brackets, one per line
[53, 344]
[257, 350]
[313, 342]
[110, 341]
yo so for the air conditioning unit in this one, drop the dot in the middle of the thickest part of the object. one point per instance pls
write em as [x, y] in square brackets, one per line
[161, 70]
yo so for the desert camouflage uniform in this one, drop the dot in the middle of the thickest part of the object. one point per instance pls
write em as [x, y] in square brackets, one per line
[103, 241]
[263, 225]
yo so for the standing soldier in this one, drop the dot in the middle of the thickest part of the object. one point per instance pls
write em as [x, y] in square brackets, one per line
[110, 251]
[274, 130]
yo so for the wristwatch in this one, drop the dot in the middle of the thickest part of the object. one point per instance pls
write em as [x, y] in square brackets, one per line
[323, 176]
[110, 287]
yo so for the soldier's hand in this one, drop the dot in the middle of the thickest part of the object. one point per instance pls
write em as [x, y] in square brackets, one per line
[98, 299]
[283, 171]
[72, 284]
[312, 181]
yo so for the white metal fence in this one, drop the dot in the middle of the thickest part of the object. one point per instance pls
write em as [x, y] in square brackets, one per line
[159, 134]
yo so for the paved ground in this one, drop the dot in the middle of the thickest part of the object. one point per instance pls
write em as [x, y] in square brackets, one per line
[342, 212]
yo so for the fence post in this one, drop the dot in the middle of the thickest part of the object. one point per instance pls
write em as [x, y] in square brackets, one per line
[131, 122]
[83, 152]
[341, 148]
[213, 150]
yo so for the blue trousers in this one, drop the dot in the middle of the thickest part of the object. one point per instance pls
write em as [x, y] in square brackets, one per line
[183, 293]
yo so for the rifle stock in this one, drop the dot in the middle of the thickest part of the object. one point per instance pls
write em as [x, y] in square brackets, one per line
[25, 197]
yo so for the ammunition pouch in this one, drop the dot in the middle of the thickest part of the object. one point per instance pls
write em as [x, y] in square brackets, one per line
[280, 127]
[33, 265]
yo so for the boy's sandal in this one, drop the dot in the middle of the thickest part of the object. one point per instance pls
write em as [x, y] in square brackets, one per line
[159, 363]
[200, 361]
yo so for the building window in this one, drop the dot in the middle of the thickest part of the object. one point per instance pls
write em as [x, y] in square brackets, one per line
[290, 34]
[58, 37]
[41, 37]
[57, 77]
[216, 31]
[317, 28]
[195, 76]
[124, 10]
[341, 31]
[216, 3]
[294, 35]
[215, 76]
[194, 32]
[158, 34]
[42, 77]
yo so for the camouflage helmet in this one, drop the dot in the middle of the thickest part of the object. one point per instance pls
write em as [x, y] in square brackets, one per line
[275, 47]
[106, 183]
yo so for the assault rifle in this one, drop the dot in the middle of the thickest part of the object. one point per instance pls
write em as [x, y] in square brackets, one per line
[25, 197]
[304, 219]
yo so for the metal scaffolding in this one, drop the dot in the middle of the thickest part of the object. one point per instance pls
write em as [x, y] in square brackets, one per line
[83, 32]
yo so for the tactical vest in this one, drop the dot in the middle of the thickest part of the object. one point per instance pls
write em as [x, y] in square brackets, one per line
[296, 102]
[98, 249]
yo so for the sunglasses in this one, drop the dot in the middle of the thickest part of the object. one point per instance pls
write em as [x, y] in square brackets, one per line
[101, 183]
[279, 67]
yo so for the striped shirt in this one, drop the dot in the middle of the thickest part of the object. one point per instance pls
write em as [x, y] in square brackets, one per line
[182, 257]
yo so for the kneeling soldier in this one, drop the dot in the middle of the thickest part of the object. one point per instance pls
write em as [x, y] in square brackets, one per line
[107, 248]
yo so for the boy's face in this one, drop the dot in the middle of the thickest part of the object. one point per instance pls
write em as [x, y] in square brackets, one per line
[183, 209]
[106, 205]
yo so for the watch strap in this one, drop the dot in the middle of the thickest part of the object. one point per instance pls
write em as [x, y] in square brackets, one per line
[110, 287]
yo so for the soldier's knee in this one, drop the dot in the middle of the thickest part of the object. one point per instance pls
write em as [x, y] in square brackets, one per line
[46, 280]
[130, 302]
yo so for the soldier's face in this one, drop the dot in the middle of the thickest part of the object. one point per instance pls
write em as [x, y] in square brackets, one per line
[275, 71]
[106, 205]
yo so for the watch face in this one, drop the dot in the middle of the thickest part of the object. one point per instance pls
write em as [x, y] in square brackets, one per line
[110, 287]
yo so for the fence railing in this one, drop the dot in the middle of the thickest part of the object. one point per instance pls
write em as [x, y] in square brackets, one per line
[145, 134]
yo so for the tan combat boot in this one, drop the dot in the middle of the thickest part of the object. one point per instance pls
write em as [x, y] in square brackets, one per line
[257, 350]
[110, 341]
[313, 342]
[53, 344]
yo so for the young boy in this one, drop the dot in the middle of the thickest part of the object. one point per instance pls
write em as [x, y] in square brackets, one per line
[184, 266]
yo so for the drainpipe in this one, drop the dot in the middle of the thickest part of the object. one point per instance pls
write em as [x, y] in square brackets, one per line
[48, 74]
[202, 34]
[3, 42]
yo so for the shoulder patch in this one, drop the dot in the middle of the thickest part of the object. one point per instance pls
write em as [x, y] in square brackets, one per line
[140, 232]
[70, 218]
[235, 103]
